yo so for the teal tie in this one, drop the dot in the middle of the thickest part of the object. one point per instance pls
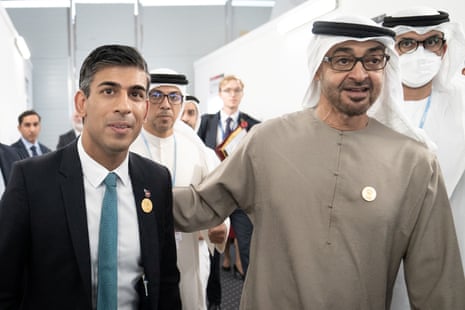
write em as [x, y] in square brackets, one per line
[107, 248]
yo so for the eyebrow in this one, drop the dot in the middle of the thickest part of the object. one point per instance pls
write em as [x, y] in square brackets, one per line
[162, 92]
[440, 34]
[114, 84]
[137, 87]
[109, 83]
[351, 50]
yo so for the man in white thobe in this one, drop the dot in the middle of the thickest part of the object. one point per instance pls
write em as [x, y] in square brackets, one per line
[431, 50]
[182, 152]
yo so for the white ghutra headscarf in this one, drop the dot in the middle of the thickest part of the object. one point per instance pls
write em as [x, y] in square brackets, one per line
[386, 110]
[424, 19]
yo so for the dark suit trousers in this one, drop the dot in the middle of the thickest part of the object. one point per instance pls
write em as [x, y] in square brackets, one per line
[243, 229]
[214, 280]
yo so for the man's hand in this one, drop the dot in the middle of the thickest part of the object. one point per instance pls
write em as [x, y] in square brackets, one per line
[217, 234]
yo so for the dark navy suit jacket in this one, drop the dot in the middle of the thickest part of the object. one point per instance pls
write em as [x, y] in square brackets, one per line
[66, 138]
[208, 129]
[22, 151]
[7, 157]
[44, 242]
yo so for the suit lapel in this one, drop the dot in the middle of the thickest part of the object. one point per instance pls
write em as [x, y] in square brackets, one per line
[22, 150]
[213, 132]
[244, 117]
[3, 165]
[72, 187]
[43, 149]
[148, 224]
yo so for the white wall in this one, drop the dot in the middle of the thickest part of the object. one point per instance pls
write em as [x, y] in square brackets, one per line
[171, 37]
[273, 65]
[15, 78]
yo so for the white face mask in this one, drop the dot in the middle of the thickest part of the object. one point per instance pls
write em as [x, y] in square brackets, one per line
[419, 67]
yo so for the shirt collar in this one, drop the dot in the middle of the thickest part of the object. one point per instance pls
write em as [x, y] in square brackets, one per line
[96, 173]
[29, 144]
[224, 116]
[154, 140]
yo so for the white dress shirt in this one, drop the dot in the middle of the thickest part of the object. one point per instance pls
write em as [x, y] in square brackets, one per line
[221, 130]
[2, 184]
[129, 259]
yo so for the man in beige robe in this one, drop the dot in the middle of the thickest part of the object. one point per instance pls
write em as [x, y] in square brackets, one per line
[338, 193]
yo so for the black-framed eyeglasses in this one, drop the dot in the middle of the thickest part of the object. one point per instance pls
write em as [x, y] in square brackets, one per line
[348, 62]
[157, 97]
[432, 44]
[230, 91]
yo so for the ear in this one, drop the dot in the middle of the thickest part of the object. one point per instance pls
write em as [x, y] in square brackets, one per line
[80, 102]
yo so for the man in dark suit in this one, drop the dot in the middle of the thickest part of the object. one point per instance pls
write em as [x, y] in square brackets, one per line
[71, 134]
[29, 127]
[7, 157]
[55, 210]
[214, 128]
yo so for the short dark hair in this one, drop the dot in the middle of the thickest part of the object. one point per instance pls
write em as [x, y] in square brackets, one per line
[27, 113]
[110, 56]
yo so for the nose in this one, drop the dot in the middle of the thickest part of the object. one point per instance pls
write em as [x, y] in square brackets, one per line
[358, 72]
[123, 104]
[165, 104]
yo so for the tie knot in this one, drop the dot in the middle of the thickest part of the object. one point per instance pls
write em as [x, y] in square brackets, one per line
[110, 179]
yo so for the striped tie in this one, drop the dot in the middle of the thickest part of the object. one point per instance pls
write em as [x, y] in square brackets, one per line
[227, 129]
[34, 151]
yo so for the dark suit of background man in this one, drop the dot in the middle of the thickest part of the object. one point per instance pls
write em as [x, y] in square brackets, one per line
[29, 127]
[211, 131]
[71, 134]
[50, 211]
[7, 157]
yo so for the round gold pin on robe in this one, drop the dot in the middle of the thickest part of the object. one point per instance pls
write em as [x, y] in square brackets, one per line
[369, 193]
[146, 205]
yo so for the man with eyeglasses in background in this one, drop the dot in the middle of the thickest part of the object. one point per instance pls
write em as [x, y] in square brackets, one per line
[339, 193]
[431, 51]
[167, 140]
[214, 129]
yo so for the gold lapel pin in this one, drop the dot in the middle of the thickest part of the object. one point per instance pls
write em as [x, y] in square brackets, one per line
[147, 205]
[368, 193]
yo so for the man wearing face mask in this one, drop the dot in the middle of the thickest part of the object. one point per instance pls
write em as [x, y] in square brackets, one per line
[432, 50]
